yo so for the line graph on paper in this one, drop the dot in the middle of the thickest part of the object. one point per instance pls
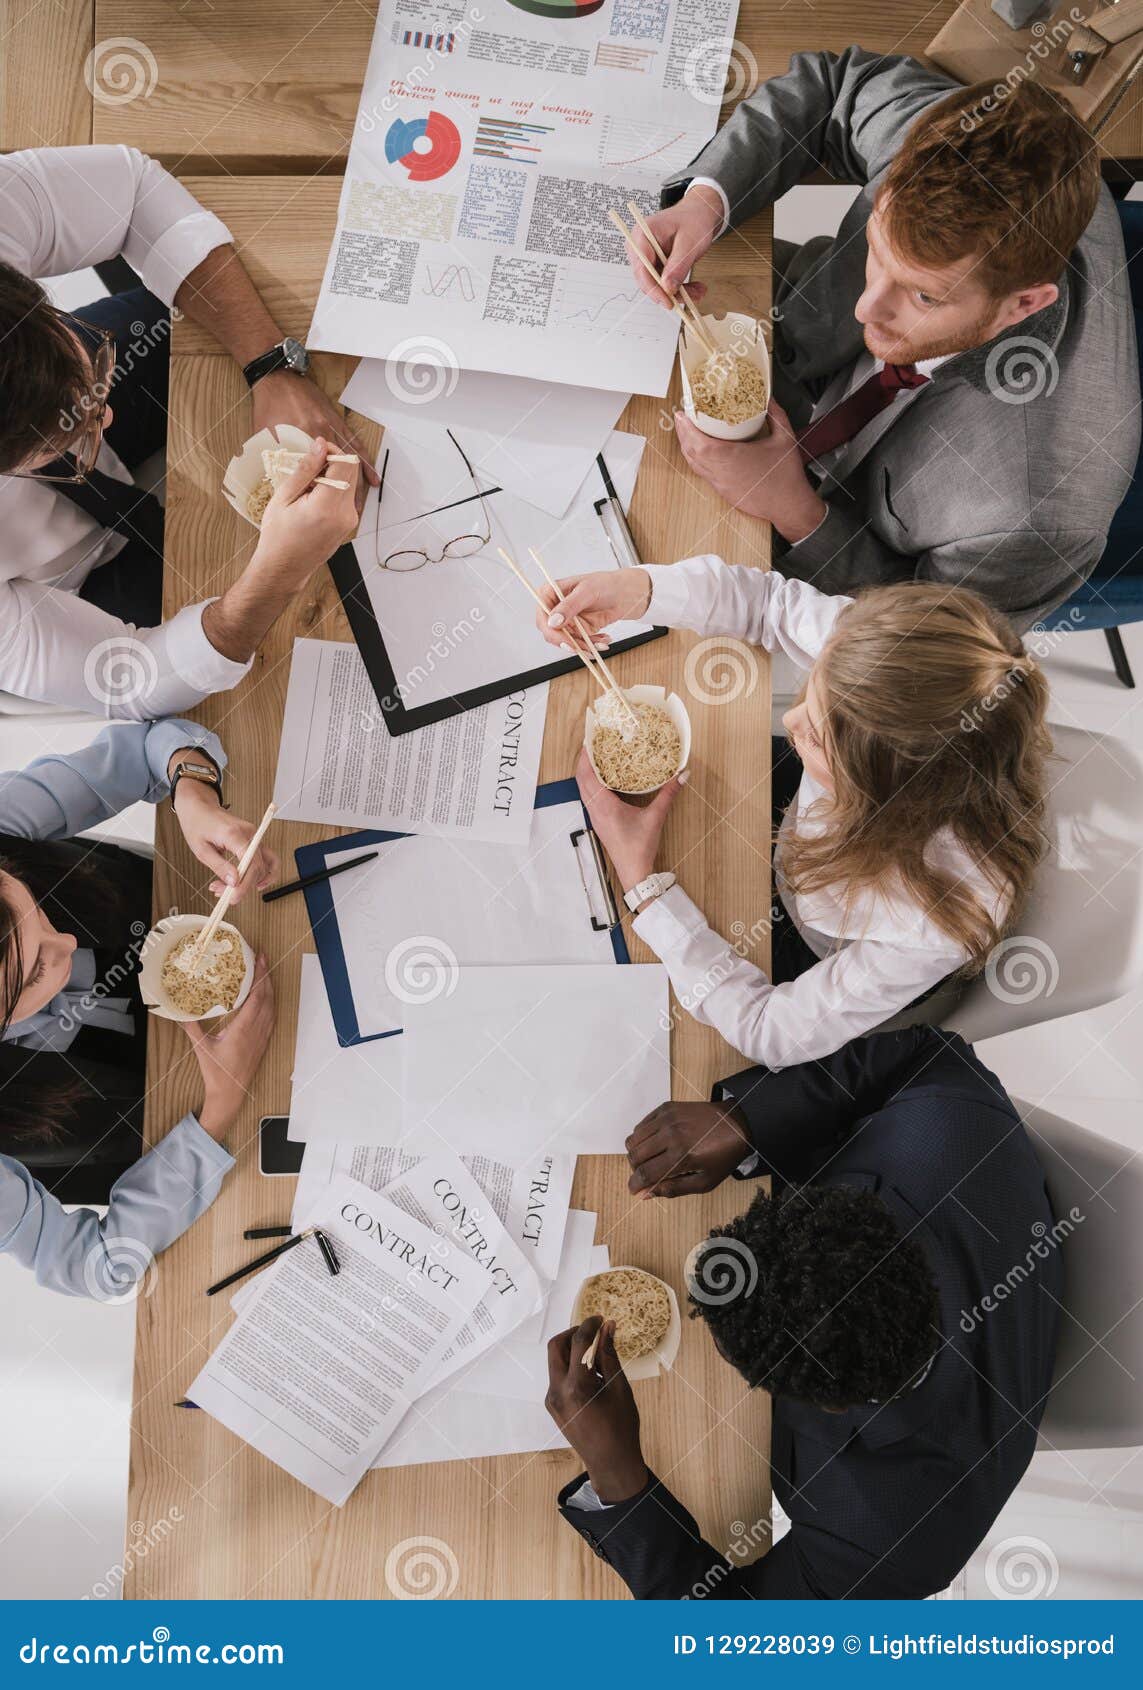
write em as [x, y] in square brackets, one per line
[452, 279]
[623, 143]
[602, 304]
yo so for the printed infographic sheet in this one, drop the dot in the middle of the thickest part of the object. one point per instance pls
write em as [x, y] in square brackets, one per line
[491, 141]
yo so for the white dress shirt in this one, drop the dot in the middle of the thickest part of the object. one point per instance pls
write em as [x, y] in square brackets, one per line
[888, 952]
[63, 209]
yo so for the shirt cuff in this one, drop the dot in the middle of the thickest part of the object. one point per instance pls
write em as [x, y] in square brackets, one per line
[670, 595]
[709, 182]
[193, 659]
[806, 538]
[586, 1498]
[216, 1156]
[669, 921]
[165, 266]
[174, 734]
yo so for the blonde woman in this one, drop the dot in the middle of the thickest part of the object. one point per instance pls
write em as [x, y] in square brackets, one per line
[908, 846]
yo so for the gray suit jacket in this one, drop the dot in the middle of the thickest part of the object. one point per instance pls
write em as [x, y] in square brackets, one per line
[1006, 471]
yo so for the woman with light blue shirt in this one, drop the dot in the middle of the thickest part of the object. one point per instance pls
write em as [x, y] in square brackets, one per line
[73, 915]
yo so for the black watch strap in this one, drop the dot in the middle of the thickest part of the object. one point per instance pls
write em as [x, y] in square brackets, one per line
[287, 355]
[194, 771]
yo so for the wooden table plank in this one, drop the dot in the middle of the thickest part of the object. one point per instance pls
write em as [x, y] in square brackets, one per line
[244, 1528]
[44, 98]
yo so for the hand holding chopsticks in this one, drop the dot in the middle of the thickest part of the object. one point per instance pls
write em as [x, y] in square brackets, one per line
[207, 932]
[684, 305]
[593, 663]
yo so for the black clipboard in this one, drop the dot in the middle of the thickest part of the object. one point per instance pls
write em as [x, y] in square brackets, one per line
[363, 624]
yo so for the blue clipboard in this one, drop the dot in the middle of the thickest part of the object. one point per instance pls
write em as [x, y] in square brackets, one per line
[311, 859]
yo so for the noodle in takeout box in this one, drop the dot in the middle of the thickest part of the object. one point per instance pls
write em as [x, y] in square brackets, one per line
[164, 938]
[659, 1358]
[738, 375]
[601, 713]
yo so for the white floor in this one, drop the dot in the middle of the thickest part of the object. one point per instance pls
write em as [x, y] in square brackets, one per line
[1074, 1528]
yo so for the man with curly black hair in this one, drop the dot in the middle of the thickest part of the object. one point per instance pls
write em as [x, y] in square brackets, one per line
[898, 1296]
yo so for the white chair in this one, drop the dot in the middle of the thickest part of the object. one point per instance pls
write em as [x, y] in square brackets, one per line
[1096, 1401]
[1079, 941]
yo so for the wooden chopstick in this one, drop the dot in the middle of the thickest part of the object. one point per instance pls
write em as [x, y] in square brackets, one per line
[601, 677]
[585, 635]
[589, 1353]
[207, 933]
[691, 317]
[650, 236]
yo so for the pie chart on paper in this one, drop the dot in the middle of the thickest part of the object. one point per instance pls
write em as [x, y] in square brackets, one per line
[558, 8]
[423, 163]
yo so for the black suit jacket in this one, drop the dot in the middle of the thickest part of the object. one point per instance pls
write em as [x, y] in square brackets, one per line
[888, 1500]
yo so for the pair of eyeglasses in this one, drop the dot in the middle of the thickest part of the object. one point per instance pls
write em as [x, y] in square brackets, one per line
[101, 346]
[462, 545]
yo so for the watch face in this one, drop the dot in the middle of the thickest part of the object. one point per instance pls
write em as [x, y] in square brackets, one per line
[295, 355]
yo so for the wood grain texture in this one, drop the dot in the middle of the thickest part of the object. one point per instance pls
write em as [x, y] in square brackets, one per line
[244, 1528]
[44, 99]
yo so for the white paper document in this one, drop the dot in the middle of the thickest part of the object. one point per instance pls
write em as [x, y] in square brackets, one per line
[319, 1369]
[472, 229]
[348, 1094]
[474, 604]
[427, 903]
[519, 1060]
[536, 439]
[457, 1422]
[472, 776]
[530, 1201]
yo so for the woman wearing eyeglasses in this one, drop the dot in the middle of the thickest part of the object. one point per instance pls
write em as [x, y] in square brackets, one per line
[73, 916]
[83, 403]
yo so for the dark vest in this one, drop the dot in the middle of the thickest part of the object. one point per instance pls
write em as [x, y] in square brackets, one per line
[75, 1119]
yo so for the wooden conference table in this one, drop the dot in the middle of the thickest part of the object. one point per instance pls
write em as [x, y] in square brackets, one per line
[239, 1527]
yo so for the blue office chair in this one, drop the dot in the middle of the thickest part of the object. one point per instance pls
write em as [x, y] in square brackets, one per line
[1113, 594]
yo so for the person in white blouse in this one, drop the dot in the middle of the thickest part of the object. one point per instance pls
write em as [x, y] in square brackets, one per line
[80, 545]
[73, 1034]
[910, 843]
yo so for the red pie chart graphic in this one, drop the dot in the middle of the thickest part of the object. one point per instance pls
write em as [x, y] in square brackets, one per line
[427, 164]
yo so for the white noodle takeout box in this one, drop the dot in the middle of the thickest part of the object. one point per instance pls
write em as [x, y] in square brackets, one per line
[246, 472]
[157, 946]
[676, 710]
[661, 1358]
[742, 336]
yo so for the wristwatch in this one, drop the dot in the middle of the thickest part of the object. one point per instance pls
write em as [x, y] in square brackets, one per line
[287, 355]
[653, 887]
[198, 772]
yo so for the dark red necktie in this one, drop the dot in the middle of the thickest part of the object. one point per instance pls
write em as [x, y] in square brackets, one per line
[848, 418]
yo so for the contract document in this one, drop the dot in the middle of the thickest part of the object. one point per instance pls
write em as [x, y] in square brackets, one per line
[489, 146]
[319, 1369]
